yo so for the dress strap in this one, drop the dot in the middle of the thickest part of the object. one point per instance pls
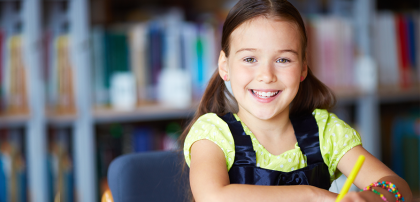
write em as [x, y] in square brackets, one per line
[307, 135]
[244, 151]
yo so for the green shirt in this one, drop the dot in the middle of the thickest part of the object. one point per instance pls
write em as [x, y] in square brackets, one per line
[335, 139]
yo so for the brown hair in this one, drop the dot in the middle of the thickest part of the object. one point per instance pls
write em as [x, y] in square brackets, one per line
[216, 96]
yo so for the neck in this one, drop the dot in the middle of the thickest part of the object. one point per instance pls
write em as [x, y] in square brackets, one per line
[275, 128]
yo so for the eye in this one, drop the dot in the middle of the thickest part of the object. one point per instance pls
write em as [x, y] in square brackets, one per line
[283, 60]
[249, 60]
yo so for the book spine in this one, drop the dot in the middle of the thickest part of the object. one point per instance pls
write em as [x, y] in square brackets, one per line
[65, 104]
[156, 50]
[411, 41]
[1, 72]
[403, 51]
[4, 165]
[138, 45]
[17, 99]
[189, 39]
[98, 60]
[209, 53]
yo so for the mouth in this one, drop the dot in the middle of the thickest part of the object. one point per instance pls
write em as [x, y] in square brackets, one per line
[265, 94]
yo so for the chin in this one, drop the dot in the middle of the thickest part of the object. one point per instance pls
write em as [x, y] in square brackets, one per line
[263, 115]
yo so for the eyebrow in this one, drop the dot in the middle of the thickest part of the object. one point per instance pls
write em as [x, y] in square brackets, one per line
[280, 51]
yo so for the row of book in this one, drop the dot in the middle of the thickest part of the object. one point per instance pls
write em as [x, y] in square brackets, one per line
[112, 141]
[333, 53]
[147, 50]
[396, 47]
[406, 149]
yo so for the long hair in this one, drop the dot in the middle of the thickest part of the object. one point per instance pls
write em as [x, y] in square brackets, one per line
[312, 93]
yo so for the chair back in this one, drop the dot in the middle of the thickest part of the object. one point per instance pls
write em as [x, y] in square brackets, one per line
[148, 176]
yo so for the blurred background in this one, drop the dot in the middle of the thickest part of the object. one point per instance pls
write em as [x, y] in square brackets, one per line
[85, 81]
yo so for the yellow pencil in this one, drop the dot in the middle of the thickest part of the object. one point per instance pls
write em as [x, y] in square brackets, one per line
[351, 178]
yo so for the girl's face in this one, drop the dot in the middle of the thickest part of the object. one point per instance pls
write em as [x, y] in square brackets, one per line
[264, 66]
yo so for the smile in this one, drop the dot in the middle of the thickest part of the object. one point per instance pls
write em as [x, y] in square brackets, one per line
[265, 94]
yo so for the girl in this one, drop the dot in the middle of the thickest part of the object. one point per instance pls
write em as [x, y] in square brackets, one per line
[279, 132]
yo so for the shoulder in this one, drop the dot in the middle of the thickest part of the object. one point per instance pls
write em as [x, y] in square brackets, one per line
[329, 122]
[336, 137]
[211, 127]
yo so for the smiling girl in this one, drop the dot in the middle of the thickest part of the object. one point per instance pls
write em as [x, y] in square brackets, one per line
[278, 131]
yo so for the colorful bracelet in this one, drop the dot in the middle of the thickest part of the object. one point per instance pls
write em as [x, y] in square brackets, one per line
[381, 195]
[389, 186]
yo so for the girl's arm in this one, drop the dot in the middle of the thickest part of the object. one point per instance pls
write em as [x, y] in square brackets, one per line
[209, 181]
[372, 170]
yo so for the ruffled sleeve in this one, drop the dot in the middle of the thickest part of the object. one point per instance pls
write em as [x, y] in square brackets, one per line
[211, 127]
[336, 138]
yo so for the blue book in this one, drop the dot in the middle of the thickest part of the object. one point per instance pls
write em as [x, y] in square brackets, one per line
[3, 181]
[411, 41]
[69, 185]
[22, 187]
[142, 139]
[155, 49]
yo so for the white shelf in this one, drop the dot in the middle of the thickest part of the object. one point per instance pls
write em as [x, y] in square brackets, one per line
[61, 120]
[13, 121]
[142, 113]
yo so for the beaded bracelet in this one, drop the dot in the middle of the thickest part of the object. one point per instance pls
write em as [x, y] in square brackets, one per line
[381, 195]
[389, 186]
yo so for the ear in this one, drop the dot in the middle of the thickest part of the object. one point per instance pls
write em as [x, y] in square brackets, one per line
[223, 65]
[304, 71]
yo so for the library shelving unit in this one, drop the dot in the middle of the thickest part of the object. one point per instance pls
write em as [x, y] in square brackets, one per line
[75, 17]
[23, 18]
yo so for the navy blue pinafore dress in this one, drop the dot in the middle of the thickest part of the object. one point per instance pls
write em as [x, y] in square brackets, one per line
[245, 171]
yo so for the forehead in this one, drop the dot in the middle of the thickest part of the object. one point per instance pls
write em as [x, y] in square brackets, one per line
[266, 33]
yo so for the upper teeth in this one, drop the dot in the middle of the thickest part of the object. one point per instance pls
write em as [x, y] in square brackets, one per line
[265, 94]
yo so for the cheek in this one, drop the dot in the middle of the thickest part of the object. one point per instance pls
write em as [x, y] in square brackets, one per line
[290, 76]
[240, 80]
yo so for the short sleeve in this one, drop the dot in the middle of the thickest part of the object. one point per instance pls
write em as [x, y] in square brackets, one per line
[336, 139]
[211, 127]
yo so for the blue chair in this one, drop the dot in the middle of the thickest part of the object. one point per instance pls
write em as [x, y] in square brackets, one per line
[148, 176]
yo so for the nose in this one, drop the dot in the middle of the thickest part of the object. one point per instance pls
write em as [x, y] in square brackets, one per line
[266, 74]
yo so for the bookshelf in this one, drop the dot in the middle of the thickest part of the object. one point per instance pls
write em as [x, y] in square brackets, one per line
[82, 124]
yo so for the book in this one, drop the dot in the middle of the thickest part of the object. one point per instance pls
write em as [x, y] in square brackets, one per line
[61, 174]
[155, 49]
[189, 38]
[17, 102]
[1, 72]
[99, 88]
[65, 77]
[142, 139]
[403, 51]
[386, 54]
[138, 59]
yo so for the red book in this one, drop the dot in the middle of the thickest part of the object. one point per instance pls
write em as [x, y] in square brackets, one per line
[402, 45]
[1, 70]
